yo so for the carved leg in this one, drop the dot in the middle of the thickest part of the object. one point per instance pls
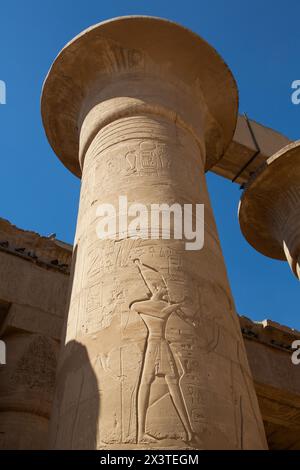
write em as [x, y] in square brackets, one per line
[147, 378]
[179, 404]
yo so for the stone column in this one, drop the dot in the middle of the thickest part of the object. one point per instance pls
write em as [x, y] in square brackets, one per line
[269, 211]
[153, 355]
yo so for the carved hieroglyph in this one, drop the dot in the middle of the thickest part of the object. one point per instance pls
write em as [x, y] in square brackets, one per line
[153, 354]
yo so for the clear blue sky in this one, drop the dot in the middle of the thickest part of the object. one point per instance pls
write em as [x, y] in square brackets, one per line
[260, 42]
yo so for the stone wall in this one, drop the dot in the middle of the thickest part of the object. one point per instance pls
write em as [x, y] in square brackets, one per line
[277, 380]
[33, 293]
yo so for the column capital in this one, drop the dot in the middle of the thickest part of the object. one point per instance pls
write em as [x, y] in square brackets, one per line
[144, 106]
[136, 65]
[269, 210]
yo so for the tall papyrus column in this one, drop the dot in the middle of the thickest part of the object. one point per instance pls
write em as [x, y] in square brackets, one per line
[153, 355]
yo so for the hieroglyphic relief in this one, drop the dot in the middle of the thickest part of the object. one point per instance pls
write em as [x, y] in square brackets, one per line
[117, 58]
[172, 373]
[159, 358]
[102, 305]
[118, 369]
[149, 159]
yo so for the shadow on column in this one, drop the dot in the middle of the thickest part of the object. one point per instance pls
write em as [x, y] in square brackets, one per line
[74, 422]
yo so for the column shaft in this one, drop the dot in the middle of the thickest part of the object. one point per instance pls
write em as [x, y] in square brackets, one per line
[155, 323]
